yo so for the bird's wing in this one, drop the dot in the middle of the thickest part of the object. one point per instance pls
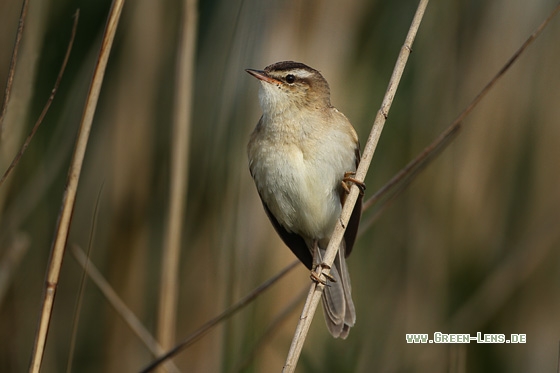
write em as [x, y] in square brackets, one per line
[294, 241]
[352, 228]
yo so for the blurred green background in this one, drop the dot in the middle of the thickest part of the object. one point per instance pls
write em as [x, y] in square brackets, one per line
[471, 246]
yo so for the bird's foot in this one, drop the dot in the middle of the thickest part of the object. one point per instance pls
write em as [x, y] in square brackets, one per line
[348, 179]
[316, 277]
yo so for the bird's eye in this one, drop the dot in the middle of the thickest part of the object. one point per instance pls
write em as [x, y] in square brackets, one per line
[290, 78]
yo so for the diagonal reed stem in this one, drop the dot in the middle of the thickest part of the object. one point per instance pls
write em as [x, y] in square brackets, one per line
[207, 327]
[65, 217]
[119, 306]
[316, 289]
[47, 106]
[13, 63]
[408, 173]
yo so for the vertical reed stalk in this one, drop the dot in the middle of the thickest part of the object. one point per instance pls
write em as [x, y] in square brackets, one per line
[179, 176]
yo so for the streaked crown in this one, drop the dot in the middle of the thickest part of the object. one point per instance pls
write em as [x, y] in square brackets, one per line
[289, 83]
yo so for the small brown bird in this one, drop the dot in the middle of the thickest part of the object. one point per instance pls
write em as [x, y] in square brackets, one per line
[301, 155]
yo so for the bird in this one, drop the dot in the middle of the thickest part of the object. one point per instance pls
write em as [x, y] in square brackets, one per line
[303, 154]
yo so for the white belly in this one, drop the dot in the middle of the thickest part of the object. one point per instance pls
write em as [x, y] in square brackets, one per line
[301, 188]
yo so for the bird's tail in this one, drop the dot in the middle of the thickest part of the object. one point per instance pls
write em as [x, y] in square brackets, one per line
[338, 306]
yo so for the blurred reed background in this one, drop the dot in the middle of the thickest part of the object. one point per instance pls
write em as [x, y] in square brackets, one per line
[471, 246]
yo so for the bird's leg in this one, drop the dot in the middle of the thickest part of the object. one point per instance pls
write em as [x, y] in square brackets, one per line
[347, 179]
[318, 262]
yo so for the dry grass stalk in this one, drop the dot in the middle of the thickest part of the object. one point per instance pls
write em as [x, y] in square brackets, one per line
[230, 311]
[272, 328]
[409, 172]
[13, 62]
[316, 289]
[79, 301]
[65, 217]
[119, 306]
[23, 148]
[179, 176]
[406, 174]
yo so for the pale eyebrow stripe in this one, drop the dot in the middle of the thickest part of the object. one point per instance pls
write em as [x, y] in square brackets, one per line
[302, 73]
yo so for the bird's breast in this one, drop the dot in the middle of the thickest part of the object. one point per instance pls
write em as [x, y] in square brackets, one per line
[299, 180]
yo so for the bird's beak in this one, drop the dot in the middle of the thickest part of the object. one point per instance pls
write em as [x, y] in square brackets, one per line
[262, 75]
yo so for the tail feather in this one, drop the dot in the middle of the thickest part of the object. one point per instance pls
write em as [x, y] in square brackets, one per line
[338, 307]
